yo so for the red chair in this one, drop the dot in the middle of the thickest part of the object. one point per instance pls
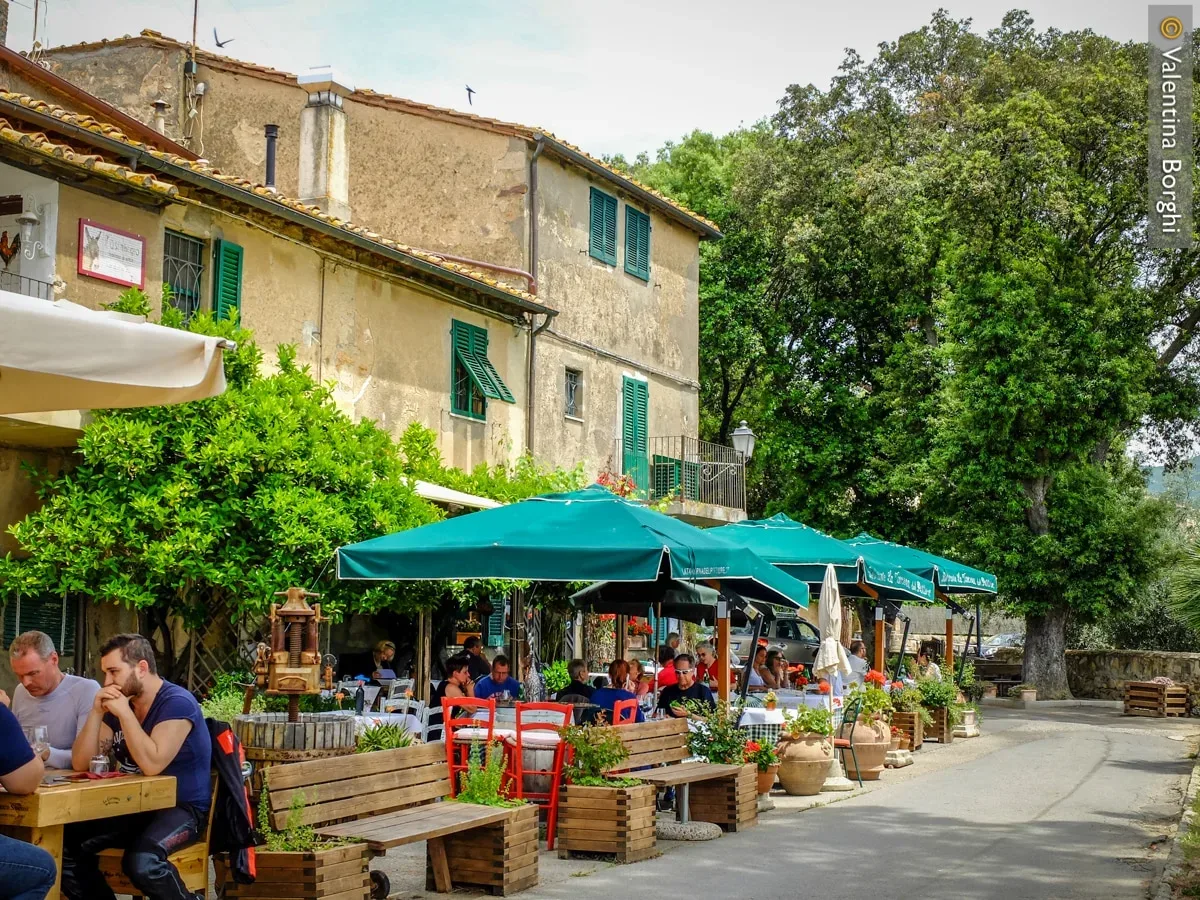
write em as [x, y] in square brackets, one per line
[620, 708]
[538, 728]
[460, 734]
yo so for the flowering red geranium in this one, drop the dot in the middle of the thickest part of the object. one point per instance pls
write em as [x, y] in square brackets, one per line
[876, 678]
[799, 681]
[823, 686]
[897, 685]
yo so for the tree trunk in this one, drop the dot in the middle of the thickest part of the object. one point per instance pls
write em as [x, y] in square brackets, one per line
[1046, 654]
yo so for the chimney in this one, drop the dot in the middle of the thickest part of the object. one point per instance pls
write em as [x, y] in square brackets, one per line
[324, 163]
[160, 116]
[4, 22]
[272, 133]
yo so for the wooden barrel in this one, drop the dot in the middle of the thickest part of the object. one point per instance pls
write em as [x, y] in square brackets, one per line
[270, 739]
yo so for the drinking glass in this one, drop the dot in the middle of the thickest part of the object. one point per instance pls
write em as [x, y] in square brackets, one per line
[39, 740]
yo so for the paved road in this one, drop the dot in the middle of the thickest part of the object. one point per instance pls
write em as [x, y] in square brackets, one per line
[1064, 804]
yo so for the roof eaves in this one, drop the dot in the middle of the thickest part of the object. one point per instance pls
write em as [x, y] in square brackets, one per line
[114, 141]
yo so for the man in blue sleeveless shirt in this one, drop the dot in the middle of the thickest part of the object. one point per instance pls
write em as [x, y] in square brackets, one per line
[156, 728]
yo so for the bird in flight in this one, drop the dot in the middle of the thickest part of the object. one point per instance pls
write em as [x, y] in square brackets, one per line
[470, 91]
[219, 42]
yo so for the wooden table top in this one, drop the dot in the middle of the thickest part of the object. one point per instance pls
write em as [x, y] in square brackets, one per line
[102, 798]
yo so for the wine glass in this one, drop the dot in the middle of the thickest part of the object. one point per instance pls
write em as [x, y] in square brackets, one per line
[39, 740]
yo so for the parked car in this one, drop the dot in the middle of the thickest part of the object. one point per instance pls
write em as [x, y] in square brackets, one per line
[798, 639]
[1002, 646]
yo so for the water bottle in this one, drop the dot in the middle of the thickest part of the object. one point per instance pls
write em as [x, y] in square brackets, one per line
[360, 699]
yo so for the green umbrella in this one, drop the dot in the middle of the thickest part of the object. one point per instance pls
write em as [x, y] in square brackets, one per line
[804, 552]
[686, 600]
[586, 535]
[949, 576]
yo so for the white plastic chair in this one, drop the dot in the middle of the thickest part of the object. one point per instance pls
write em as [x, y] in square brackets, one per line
[427, 729]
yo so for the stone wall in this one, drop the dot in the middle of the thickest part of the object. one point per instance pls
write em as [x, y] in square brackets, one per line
[1101, 674]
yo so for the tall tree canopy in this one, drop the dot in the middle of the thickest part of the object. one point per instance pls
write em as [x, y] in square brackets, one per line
[971, 326]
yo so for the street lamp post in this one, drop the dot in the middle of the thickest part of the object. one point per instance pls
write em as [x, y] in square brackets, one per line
[743, 440]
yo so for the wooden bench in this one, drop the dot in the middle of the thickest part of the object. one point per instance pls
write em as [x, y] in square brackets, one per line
[390, 798]
[726, 795]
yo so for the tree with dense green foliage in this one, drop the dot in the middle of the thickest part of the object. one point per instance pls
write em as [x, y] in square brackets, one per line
[974, 326]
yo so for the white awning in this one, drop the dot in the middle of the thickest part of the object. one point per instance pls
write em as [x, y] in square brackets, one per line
[435, 493]
[56, 355]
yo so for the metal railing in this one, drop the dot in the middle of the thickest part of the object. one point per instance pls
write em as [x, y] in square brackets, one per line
[685, 468]
[30, 287]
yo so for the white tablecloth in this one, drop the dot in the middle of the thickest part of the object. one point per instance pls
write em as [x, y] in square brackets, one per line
[410, 723]
[756, 715]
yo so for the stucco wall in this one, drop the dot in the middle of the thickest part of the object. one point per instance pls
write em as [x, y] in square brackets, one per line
[655, 322]
[1101, 674]
[130, 78]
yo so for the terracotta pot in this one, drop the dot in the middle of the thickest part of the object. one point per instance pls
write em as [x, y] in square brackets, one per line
[905, 743]
[804, 763]
[772, 704]
[1028, 696]
[766, 780]
[989, 689]
[895, 744]
[871, 741]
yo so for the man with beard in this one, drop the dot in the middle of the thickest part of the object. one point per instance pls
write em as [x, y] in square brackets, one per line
[156, 728]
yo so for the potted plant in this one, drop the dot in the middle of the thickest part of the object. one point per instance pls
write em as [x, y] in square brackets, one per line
[805, 748]
[940, 697]
[728, 802]
[896, 736]
[555, 677]
[871, 735]
[909, 715]
[591, 797]
[295, 863]
[468, 627]
[770, 700]
[767, 760]
[1026, 692]
[637, 630]
[494, 857]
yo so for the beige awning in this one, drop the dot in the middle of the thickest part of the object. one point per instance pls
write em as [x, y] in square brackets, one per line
[435, 493]
[58, 355]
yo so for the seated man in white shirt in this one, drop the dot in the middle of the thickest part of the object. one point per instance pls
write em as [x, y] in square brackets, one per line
[858, 662]
[47, 697]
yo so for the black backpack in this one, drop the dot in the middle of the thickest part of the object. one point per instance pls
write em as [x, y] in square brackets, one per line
[233, 829]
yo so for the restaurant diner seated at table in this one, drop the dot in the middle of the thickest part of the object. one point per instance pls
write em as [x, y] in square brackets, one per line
[672, 698]
[606, 697]
[151, 726]
[498, 683]
[578, 687]
[25, 870]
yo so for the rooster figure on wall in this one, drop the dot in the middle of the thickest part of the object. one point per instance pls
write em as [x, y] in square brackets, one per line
[7, 250]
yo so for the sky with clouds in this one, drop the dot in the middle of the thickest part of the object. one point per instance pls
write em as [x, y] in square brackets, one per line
[614, 77]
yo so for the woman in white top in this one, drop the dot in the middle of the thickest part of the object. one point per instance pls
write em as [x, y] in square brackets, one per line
[755, 682]
[926, 667]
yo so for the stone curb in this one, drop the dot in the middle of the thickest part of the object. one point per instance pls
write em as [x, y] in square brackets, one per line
[1163, 888]
[1052, 704]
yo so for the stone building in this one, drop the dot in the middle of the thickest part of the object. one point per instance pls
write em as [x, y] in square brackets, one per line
[611, 380]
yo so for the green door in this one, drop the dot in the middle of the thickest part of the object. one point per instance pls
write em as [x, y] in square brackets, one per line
[635, 405]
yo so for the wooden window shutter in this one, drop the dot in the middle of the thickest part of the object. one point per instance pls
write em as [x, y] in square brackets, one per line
[602, 239]
[637, 243]
[227, 280]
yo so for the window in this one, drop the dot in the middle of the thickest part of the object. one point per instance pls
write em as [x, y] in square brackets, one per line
[183, 267]
[227, 280]
[574, 393]
[602, 242]
[637, 243]
[474, 380]
[50, 614]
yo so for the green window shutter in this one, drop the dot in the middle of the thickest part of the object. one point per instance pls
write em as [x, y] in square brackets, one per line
[637, 243]
[634, 442]
[495, 624]
[49, 614]
[479, 345]
[602, 240]
[470, 352]
[227, 280]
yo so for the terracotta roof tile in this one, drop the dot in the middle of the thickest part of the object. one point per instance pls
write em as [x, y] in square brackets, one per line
[375, 98]
[40, 143]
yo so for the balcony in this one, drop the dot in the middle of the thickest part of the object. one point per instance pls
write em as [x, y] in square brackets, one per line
[29, 287]
[705, 483]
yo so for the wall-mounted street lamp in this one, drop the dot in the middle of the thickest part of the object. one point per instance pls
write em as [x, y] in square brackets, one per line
[743, 440]
[30, 223]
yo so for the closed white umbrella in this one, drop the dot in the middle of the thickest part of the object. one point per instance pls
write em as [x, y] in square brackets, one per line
[831, 659]
[831, 655]
[58, 355]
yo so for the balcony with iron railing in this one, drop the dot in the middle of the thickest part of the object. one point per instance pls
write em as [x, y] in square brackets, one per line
[30, 287]
[704, 483]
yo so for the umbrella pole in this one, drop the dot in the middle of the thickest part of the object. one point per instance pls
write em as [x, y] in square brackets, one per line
[950, 639]
[880, 658]
[962, 658]
[979, 630]
[744, 679]
[903, 646]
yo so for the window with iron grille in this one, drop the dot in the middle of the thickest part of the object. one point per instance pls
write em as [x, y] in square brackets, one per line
[574, 393]
[52, 615]
[183, 269]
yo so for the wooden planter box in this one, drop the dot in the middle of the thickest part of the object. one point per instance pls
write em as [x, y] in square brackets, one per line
[1148, 698]
[910, 723]
[731, 803]
[616, 820]
[460, 637]
[501, 858]
[940, 730]
[339, 873]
